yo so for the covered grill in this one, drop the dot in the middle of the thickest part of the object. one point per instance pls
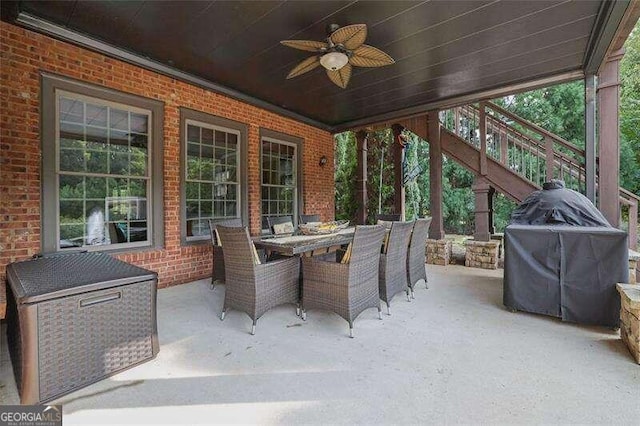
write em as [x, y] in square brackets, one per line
[562, 258]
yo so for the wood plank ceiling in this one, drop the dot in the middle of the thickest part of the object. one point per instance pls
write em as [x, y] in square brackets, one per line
[443, 49]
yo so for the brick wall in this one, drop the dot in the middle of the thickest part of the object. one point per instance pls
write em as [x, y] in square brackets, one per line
[25, 53]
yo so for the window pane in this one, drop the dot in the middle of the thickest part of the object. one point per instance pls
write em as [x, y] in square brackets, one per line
[97, 162]
[138, 231]
[139, 123]
[192, 191]
[119, 163]
[119, 120]
[193, 134]
[72, 160]
[71, 187]
[71, 110]
[96, 115]
[71, 212]
[118, 141]
[206, 209]
[97, 138]
[96, 187]
[206, 191]
[221, 138]
[192, 209]
[207, 136]
[232, 141]
[138, 164]
[71, 135]
[138, 188]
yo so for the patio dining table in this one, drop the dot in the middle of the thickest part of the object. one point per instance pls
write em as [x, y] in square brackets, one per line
[302, 244]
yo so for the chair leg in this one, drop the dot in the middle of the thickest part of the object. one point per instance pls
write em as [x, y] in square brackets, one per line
[426, 284]
[388, 309]
[380, 310]
[224, 311]
[413, 295]
[407, 293]
[303, 315]
[253, 328]
[351, 329]
[298, 309]
[212, 286]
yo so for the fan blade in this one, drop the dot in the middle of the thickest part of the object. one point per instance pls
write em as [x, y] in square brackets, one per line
[369, 56]
[304, 66]
[351, 36]
[308, 45]
[341, 77]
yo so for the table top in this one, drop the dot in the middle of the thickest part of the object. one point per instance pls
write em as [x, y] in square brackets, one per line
[299, 244]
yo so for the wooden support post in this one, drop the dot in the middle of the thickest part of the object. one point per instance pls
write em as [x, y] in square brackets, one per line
[590, 136]
[436, 232]
[504, 147]
[609, 138]
[492, 193]
[481, 190]
[361, 177]
[633, 225]
[483, 139]
[398, 158]
[548, 157]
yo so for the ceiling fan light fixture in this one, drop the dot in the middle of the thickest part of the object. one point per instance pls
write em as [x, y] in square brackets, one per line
[333, 61]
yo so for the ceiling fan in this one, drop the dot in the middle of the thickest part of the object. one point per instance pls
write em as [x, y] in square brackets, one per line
[344, 47]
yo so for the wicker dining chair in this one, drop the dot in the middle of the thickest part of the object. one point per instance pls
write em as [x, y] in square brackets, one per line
[217, 272]
[393, 263]
[255, 288]
[306, 218]
[345, 288]
[416, 257]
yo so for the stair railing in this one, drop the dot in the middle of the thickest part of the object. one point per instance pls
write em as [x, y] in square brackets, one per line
[528, 150]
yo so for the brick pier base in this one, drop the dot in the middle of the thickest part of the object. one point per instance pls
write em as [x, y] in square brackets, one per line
[630, 318]
[481, 254]
[438, 252]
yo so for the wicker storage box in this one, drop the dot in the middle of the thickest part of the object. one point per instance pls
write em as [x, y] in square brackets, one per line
[75, 319]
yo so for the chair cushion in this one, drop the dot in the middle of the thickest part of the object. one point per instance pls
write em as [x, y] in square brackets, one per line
[283, 228]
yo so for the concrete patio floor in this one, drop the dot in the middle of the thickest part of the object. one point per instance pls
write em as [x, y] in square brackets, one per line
[452, 355]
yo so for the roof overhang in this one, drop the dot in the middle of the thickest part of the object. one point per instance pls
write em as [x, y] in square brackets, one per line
[609, 25]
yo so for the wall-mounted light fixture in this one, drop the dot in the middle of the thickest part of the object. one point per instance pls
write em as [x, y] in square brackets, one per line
[323, 161]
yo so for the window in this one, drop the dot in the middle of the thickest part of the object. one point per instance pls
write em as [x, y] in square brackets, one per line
[98, 168]
[281, 183]
[212, 172]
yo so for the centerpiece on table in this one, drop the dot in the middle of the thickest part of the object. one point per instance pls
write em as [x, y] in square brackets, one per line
[319, 228]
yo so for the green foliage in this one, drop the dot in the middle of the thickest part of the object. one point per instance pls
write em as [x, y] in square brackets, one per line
[345, 175]
[630, 113]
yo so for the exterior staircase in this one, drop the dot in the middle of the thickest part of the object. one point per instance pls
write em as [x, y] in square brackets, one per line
[515, 156]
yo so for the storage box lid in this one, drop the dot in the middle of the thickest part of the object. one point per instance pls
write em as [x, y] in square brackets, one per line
[55, 276]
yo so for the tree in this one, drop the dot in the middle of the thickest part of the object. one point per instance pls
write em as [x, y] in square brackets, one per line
[630, 113]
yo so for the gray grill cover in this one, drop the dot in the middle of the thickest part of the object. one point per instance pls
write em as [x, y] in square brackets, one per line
[62, 275]
[566, 271]
[556, 205]
[562, 258]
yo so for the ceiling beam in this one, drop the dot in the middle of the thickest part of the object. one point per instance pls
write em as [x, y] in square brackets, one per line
[385, 120]
[61, 33]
